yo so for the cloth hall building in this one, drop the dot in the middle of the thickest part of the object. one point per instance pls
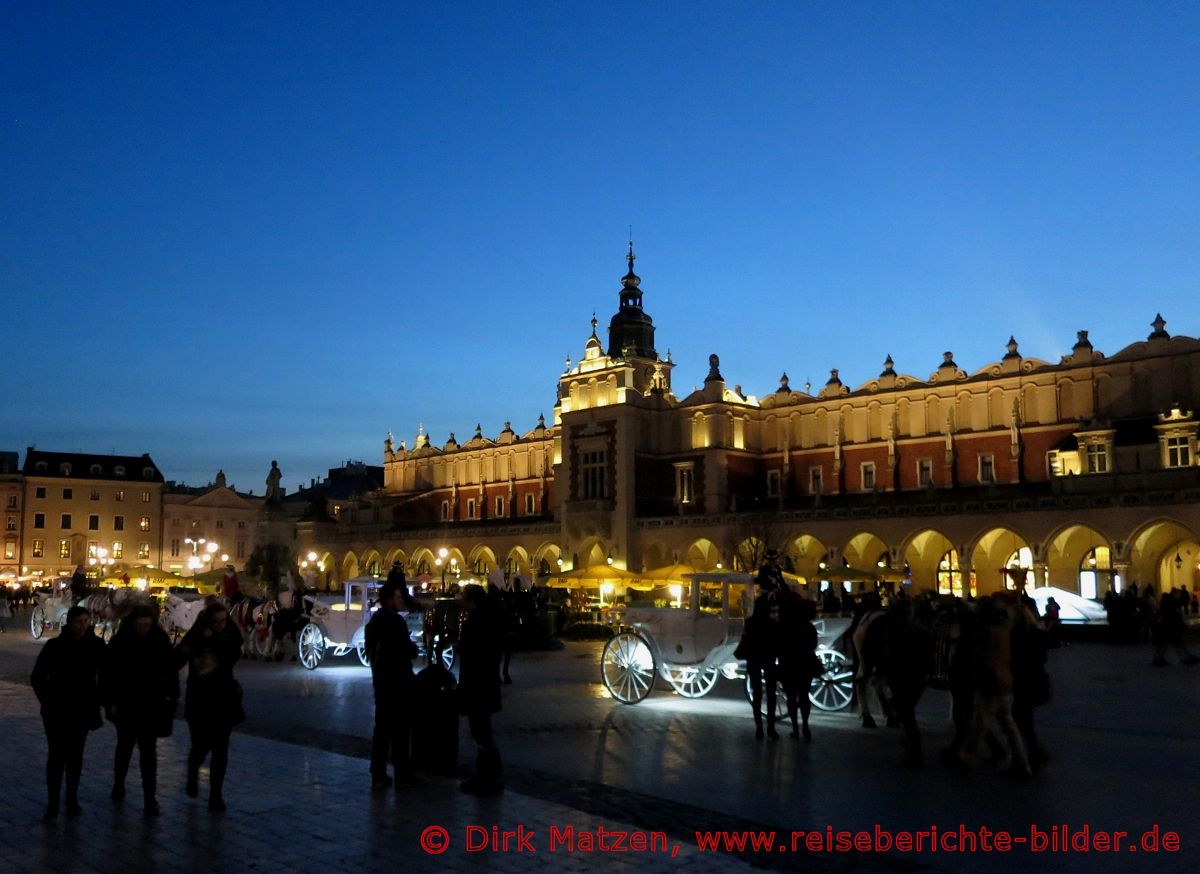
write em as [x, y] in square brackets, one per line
[1082, 472]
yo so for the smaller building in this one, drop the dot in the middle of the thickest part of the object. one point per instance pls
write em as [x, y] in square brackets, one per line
[207, 526]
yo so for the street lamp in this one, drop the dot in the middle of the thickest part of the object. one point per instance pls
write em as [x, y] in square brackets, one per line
[440, 561]
[310, 567]
[202, 551]
[100, 561]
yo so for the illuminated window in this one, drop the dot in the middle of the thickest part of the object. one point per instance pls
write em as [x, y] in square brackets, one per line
[143, 550]
[987, 468]
[685, 482]
[118, 523]
[64, 549]
[39, 520]
[1179, 453]
[118, 549]
[65, 521]
[925, 472]
[39, 548]
[91, 548]
[1095, 572]
[814, 480]
[593, 475]
[949, 576]
[145, 497]
[120, 495]
[1097, 458]
[93, 522]
[10, 548]
[144, 524]
[868, 476]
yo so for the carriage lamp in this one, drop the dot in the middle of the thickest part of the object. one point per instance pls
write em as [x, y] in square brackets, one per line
[1178, 562]
[609, 559]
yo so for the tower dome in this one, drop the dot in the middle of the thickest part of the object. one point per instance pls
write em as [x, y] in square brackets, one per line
[631, 331]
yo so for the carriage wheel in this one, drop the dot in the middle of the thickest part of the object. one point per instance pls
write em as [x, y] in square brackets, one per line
[691, 682]
[310, 646]
[834, 688]
[781, 711]
[361, 649]
[627, 668]
[448, 657]
[37, 622]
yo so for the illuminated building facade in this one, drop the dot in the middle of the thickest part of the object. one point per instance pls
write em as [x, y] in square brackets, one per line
[1082, 472]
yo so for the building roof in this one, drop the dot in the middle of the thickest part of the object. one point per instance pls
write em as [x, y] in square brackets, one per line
[82, 465]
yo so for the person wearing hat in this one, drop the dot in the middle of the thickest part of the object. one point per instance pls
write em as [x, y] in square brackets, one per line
[761, 644]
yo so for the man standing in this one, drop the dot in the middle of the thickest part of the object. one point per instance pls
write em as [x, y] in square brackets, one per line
[391, 652]
[479, 648]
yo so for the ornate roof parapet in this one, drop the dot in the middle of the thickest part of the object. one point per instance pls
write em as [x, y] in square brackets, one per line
[451, 444]
[833, 387]
[887, 377]
[1159, 324]
[1011, 362]
[947, 370]
[507, 435]
[1082, 352]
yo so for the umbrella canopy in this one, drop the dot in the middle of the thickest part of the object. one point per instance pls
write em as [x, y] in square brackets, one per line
[592, 577]
[673, 573]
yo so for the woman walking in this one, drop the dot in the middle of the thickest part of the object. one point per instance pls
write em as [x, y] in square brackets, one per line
[141, 688]
[213, 704]
[66, 681]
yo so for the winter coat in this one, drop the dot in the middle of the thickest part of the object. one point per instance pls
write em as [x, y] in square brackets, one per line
[391, 651]
[66, 679]
[140, 679]
[213, 695]
[479, 649]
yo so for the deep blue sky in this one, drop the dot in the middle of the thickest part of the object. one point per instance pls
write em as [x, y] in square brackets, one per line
[237, 232]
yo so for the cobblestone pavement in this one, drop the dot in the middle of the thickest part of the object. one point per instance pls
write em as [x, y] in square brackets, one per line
[1123, 738]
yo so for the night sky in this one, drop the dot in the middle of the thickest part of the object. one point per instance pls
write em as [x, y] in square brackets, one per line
[237, 232]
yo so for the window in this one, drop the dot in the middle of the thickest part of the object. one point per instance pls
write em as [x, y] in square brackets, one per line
[39, 492]
[145, 497]
[868, 476]
[1097, 458]
[814, 480]
[64, 549]
[64, 469]
[241, 549]
[925, 472]
[470, 508]
[144, 525]
[118, 549]
[95, 470]
[91, 548]
[118, 523]
[12, 502]
[499, 507]
[65, 521]
[143, 550]
[68, 494]
[685, 483]
[949, 576]
[595, 482]
[241, 525]
[10, 524]
[987, 468]
[530, 508]
[1179, 452]
[220, 523]
[119, 470]
[40, 467]
[39, 549]
[120, 496]
[39, 520]
[195, 524]
[10, 548]
[93, 522]
[445, 511]
[174, 547]
[773, 483]
[95, 496]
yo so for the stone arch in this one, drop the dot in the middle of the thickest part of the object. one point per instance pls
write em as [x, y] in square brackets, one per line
[998, 411]
[349, 567]
[1068, 550]
[806, 553]
[547, 559]
[864, 550]
[1153, 552]
[655, 555]
[703, 555]
[922, 552]
[393, 555]
[517, 561]
[995, 551]
[481, 561]
[371, 563]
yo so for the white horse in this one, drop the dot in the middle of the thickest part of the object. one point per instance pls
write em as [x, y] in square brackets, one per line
[110, 606]
[180, 614]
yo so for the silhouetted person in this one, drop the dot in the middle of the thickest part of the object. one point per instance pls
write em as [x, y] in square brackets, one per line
[66, 681]
[79, 584]
[761, 644]
[213, 704]
[391, 653]
[479, 648]
[141, 687]
[798, 663]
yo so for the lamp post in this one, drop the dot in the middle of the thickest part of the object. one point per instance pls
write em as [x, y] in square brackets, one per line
[100, 561]
[440, 561]
[202, 551]
[309, 568]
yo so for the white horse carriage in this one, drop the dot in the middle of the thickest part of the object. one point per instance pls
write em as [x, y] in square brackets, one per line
[179, 614]
[50, 609]
[339, 626]
[689, 648]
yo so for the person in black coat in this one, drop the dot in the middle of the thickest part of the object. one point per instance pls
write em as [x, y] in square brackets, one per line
[66, 681]
[213, 704]
[798, 663]
[391, 651]
[479, 648]
[761, 644]
[141, 687]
